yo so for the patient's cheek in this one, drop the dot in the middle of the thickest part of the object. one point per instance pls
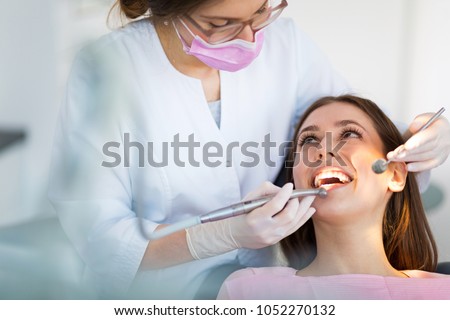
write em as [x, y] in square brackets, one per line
[365, 158]
[299, 179]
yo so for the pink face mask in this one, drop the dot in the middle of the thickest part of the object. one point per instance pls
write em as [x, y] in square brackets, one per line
[230, 56]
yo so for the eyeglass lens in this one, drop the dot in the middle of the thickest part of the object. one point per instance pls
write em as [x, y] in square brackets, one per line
[260, 21]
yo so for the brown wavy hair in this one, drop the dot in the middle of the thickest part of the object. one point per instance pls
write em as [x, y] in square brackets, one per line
[407, 238]
[156, 9]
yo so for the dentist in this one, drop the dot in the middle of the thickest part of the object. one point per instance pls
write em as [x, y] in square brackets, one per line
[225, 79]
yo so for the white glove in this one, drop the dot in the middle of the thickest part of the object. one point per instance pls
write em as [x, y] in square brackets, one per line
[260, 228]
[427, 149]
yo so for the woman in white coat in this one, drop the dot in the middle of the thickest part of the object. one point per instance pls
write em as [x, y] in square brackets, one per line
[179, 114]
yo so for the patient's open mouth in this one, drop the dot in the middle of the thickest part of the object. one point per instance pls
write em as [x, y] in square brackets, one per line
[329, 178]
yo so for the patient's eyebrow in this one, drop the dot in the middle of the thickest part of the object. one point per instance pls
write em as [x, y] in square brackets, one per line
[309, 128]
[341, 123]
[344, 123]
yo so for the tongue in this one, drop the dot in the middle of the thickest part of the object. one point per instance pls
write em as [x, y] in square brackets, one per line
[329, 181]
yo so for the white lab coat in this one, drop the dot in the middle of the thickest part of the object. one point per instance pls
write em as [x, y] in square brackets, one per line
[124, 84]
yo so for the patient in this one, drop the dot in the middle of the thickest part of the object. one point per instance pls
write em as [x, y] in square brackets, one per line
[369, 238]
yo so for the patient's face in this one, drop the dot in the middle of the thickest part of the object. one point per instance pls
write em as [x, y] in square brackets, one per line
[336, 147]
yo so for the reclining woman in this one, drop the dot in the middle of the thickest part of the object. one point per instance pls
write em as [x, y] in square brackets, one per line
[369, 238]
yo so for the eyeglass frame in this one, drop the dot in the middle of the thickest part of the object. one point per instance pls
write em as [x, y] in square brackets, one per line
[209, 33]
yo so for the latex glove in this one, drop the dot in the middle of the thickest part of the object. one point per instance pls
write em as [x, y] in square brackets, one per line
[260, 228]
[427, 149]
[272, 222]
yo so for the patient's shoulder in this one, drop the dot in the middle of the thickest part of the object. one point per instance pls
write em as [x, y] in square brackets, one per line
[262, 272]
[248, 283]
[425, 274]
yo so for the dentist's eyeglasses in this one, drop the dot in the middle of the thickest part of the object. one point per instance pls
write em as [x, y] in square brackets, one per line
[220, 34]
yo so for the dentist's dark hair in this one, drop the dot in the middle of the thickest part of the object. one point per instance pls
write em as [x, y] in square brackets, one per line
[407, 238]
[157, 9]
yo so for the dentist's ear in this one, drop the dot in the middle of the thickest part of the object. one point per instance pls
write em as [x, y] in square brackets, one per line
[397, 176]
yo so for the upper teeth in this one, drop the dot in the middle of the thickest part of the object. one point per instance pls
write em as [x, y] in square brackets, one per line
[343, 178]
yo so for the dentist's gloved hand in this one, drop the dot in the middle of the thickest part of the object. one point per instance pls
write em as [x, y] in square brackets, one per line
[427, 149]
[272, 222]
[260, 228]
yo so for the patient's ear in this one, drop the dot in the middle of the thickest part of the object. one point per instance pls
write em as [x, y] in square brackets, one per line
[397, 176]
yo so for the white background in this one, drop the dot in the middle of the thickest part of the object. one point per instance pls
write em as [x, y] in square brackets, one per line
[368, 310]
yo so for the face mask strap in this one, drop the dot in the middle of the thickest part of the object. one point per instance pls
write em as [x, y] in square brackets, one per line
[185, 26]
[185, 45]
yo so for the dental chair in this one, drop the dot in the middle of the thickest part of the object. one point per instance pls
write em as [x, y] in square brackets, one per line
[37, 261]
[211, 286]
[443, 267]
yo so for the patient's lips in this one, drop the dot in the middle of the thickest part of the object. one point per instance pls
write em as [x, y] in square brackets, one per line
[330, 178]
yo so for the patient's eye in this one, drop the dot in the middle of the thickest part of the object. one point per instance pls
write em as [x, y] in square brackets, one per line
[349, 133]
[308, 138]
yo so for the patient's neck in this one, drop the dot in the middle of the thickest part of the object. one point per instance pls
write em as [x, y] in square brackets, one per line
[349, 250]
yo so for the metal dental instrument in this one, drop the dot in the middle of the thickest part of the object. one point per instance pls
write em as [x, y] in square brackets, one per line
[250, 205]
[233, 210]
[381, 165]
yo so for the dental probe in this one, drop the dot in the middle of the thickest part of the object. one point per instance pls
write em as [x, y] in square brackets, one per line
[381, 165]
[227, 212]
[250, 205]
